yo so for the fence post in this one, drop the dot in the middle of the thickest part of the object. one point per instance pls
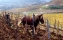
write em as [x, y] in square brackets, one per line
[5, 12]
[55, 24]
[61, 27]
[16, 35]
[18, 15]
[47, 29]
[58, 30]
[12, 16]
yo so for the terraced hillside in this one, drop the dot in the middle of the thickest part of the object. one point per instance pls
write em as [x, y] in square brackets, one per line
[20, 33]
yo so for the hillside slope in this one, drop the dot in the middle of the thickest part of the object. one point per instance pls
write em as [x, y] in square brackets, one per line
[56, 2]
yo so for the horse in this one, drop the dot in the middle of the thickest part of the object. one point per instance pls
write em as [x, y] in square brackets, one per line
[32, 20]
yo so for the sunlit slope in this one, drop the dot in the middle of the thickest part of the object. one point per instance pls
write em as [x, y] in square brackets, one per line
[52, 17]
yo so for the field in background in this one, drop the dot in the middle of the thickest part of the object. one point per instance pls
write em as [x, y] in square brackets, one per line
[52, 17]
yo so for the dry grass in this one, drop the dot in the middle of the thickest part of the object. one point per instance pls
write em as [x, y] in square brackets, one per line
[52, 17]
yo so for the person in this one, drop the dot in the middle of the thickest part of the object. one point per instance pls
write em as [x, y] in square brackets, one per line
[8, 19]
[7, 16]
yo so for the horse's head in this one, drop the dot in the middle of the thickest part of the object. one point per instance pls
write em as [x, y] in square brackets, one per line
[38, 18]
[41, 18]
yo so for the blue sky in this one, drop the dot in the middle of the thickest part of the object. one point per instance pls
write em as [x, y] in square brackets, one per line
[20, 1]
[46, 0]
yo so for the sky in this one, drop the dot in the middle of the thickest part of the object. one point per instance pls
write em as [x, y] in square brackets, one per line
[20, 1]
[46, 0]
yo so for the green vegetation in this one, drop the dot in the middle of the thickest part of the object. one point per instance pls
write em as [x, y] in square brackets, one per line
[52, 7]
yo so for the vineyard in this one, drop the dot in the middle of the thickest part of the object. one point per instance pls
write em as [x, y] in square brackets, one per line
[19, 32]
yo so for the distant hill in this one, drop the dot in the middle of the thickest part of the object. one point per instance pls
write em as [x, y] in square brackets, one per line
[56, 2]
[28, 8]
